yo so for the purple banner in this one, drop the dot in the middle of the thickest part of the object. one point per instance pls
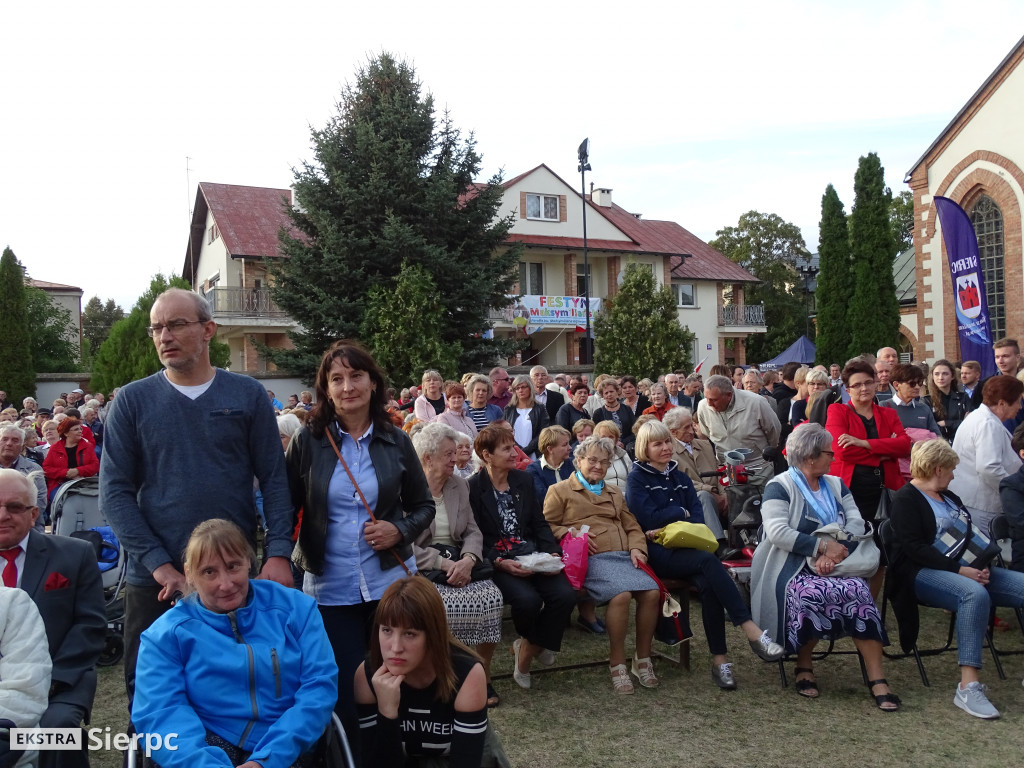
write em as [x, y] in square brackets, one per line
[968, 285]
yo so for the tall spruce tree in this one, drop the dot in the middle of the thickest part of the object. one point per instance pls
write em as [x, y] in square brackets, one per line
[638, 330]
[389, 185]
[769, 246]
[874, 314]
[835, 281]
[17, 374]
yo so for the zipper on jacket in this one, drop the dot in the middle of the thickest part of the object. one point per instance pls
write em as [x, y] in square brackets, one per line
[252, 679]
[277, 672]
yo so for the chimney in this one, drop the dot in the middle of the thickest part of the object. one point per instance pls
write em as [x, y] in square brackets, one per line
[602, 196]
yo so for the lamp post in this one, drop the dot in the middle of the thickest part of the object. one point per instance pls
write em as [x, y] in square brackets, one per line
[808, 271]
[584, 154]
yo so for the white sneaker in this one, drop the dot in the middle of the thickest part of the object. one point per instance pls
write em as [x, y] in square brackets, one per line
[973, 701]
[547, 658]
[522, 678]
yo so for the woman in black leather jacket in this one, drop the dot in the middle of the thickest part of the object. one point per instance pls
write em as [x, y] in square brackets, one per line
[348, 558]
[522, 406]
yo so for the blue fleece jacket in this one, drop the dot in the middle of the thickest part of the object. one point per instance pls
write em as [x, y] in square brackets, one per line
[170, 463]
[659, 498]
[262, 677]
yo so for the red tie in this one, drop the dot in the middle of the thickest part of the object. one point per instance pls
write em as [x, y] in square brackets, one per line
[10, 570]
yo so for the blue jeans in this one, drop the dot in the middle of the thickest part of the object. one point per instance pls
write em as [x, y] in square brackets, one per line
[972, 603]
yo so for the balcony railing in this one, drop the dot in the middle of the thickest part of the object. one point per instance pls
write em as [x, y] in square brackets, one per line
[746, 314]
[243, 302]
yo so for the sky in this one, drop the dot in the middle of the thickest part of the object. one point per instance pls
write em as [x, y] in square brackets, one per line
[112, 112]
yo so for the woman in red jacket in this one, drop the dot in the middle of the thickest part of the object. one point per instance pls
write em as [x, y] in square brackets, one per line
[69, 457]
[867, 441]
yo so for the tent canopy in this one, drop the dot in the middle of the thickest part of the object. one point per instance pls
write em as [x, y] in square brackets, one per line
[800, 351]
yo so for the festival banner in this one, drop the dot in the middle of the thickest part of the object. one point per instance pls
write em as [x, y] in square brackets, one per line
[532, 312]
[968, 285]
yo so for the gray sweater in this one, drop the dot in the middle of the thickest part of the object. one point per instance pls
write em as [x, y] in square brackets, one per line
[170, 463]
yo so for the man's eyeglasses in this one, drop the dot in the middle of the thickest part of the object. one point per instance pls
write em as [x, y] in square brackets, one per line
[16, 508]
[500, 379]
[175, 327]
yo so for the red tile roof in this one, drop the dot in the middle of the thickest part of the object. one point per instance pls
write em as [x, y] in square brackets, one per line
[650, 236]
[52, 286]
[248, 219]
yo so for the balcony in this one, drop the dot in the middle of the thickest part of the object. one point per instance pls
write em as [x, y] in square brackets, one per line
[243, 303]
[746, 315]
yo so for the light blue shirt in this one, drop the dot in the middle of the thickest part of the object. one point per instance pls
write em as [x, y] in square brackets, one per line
[352, 572]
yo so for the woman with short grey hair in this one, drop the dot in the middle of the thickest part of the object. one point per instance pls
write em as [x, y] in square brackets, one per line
[806, 444]
[805, 604]
[674, 418]
[617, 547]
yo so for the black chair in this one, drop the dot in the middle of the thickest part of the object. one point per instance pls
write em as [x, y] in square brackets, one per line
[999, 530]
[885, 536]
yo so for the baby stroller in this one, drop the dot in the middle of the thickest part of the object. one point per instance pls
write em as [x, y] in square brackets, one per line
[75, 512]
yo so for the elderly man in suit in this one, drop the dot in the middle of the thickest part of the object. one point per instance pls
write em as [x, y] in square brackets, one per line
[61, 577]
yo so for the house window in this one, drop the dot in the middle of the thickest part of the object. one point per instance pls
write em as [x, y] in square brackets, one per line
[543, 207]
[988, 227]
[686, 296]
[214, 233]
[531, 278]
[582, 274]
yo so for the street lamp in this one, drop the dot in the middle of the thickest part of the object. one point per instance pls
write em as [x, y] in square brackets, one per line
[808, 271]
[584, 154]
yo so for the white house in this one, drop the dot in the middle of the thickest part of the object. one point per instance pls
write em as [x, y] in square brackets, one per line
[549, 223]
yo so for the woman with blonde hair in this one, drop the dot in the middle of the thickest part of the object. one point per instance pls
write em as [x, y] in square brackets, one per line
[526, 415]
[431, 403]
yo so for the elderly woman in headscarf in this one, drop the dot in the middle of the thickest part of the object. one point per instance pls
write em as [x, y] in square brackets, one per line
[792, 600]
[617, 547]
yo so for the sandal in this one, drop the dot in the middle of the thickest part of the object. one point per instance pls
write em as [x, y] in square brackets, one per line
[620, 680]
[884, 698]
[493, 699]
[808, 687]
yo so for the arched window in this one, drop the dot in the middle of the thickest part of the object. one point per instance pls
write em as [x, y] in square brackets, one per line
[988, 226]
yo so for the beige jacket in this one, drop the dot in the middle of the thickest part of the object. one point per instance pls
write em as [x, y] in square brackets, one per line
[702, 460]
[612, 527]
[461, 522]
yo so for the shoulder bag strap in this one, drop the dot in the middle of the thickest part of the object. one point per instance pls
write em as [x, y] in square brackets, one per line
[362, 498]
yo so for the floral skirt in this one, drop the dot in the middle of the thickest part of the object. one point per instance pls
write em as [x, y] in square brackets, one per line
[827, 608]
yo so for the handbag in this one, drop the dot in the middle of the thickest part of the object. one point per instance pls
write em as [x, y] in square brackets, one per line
[575, 549]
[965, 544]
[862, 562]
[362, 498]
[685, 535]
[884, 510]
[671, 629]
[482, 569]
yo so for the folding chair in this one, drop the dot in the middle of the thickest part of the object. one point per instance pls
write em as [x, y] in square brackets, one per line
[885, 535]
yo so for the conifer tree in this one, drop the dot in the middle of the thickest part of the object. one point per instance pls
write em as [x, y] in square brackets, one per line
[390, 184]
[835, 281]
[17, 374]
[874, 314]
[638, 330]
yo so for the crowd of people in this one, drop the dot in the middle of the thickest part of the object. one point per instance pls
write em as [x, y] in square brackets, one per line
[360, 491]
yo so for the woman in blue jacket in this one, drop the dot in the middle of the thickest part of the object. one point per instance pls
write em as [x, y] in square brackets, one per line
[658, 494]
[241, 670]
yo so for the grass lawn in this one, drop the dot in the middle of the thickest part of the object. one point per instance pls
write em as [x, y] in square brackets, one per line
[571, 719]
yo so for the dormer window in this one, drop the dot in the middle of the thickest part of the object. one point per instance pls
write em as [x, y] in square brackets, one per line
[542, 207]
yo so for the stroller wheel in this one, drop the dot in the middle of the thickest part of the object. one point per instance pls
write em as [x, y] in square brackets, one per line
[113, 650]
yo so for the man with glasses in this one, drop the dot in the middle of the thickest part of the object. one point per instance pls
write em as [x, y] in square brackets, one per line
[12, 441]
[500, 393]
[60, 575]
[180, 447]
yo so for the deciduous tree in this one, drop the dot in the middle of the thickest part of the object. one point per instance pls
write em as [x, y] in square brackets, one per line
[768, 246]
[638, 330]
[874, 313]
[835, 281]
[403, 327]
[17, 373]
[55, 339]
[390, 184]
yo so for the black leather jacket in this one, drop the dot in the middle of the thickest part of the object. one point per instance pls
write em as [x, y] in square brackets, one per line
[403, 494]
